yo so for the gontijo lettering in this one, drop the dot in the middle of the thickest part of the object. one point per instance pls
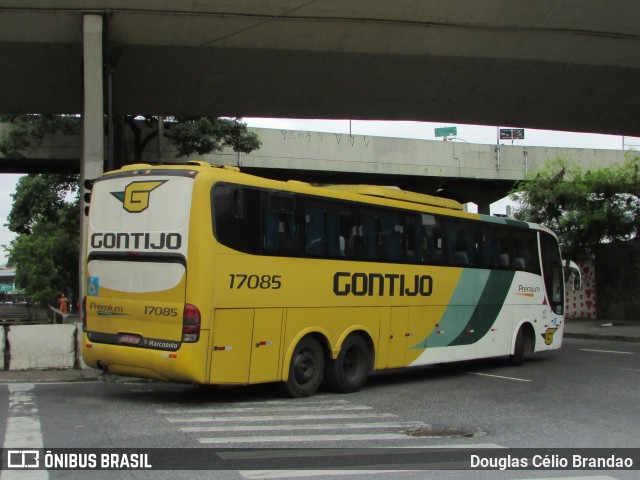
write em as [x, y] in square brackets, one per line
[137, 241]
[381, 284]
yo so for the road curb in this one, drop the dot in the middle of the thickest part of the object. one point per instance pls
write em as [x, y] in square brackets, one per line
[597, 336]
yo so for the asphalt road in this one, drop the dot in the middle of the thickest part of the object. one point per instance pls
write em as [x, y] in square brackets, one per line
[586, 395]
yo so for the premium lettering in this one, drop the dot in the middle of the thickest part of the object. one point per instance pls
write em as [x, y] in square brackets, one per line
[381, 284]
[528, 289]
[136, 241]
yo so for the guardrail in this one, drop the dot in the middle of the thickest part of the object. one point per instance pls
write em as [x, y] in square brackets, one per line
[21, 314]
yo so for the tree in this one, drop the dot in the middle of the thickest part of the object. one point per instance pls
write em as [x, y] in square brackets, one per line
[45, 215]
[191, 135]
[25, 129]
[584, 208]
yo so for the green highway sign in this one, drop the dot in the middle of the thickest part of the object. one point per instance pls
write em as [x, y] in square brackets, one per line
[446, 131]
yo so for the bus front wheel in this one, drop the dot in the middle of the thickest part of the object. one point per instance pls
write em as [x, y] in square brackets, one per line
[518, 351]
[348, 373]
[305, 370]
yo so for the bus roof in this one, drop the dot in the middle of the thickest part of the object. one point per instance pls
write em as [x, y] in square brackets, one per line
[398, 194]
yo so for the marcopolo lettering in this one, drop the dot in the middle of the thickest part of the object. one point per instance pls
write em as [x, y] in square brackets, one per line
[381, 284]
[136, 241]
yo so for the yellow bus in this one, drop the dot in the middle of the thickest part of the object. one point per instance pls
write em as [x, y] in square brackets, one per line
[204, 274]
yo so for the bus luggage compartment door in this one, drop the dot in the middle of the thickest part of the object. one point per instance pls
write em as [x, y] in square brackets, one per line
[246, 345]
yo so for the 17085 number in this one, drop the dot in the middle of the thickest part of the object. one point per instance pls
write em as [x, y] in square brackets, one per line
[253, 282]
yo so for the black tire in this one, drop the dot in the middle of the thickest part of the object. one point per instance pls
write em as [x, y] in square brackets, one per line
[348, 373]
[518, 352]
[305, 370]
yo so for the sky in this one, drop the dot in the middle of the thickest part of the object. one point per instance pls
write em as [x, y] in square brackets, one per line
[400, 129]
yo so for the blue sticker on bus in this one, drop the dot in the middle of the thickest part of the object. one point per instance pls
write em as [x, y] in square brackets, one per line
[93, 286]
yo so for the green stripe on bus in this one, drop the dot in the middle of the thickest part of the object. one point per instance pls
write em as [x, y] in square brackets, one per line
[488, 307]
[474, 307]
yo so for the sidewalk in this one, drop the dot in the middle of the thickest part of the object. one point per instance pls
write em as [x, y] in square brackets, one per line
[70, 375]
[617, 330]
[621, 330]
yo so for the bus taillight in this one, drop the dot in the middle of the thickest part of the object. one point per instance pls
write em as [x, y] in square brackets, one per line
[190, 324]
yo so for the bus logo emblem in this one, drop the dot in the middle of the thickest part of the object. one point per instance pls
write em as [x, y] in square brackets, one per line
[135, 197]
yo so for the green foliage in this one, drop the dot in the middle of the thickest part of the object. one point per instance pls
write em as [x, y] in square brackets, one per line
[584, 208]
[41, 199]
[191, 135]
[33, 128]
[45, 215]
[211, 134]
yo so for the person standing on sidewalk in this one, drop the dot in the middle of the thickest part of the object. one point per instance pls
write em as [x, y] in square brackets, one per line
[63, 303]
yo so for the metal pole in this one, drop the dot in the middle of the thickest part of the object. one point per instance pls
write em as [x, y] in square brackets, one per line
[160, 140]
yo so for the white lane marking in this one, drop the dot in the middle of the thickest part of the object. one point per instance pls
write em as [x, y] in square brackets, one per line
[259, 418]
[23, 428]
[311, 426]
[332, 408]
[307, 438]
[606, 351]
[500, 376]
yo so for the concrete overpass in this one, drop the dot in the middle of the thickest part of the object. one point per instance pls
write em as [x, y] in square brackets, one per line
[466, 172]
[552, 64]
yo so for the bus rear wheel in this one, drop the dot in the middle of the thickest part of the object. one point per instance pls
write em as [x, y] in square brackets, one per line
[348, 373]
[305, 370]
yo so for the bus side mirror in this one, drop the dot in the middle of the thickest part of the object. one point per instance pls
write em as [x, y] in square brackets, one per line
[572, 272]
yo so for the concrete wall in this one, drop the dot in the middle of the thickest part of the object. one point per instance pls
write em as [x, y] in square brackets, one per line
[618, 280]
[2, 348]
[582, 303]
[340, 152]
[28, 347]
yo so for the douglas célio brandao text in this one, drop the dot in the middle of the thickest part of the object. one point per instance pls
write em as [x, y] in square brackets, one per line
[550, 462]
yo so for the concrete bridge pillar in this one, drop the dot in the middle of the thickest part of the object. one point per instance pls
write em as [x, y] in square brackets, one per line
[93, 105]
[484, 208]
[92, 155]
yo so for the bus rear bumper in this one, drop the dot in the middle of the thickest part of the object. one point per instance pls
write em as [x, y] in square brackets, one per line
[187, 364]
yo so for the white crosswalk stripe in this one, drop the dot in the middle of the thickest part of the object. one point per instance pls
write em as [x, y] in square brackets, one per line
[23, 429]
[288, 422]
[293, 424]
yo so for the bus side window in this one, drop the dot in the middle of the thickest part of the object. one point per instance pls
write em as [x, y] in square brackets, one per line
[457, 244]
[381, 235]
[314, 232]
[497, 247]
[234, 225]
[391, 233]
[413, 239]
[328, 229]
[340, 222]
[525, 251]
[552, 271]
[370, 225]
[280, 227]
[431, 239]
